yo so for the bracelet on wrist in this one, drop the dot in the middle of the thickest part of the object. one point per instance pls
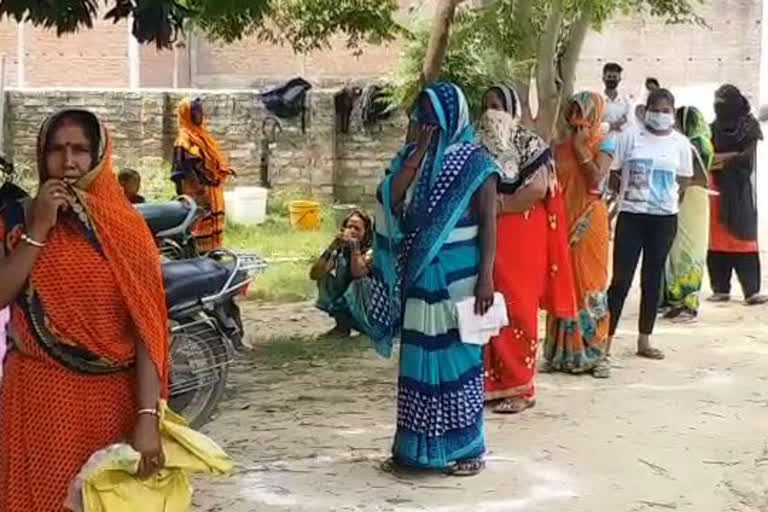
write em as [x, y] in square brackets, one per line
[148, 412]
[31, 241]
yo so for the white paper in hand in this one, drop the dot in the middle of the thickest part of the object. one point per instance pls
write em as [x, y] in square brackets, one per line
[478, 330]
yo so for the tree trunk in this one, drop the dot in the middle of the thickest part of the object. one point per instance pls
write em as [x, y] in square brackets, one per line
[570, 60]
[572, 52]
[546, 73]
[523, 88]
[438, 41]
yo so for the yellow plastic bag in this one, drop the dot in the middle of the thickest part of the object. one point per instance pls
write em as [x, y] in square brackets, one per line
[108, 482]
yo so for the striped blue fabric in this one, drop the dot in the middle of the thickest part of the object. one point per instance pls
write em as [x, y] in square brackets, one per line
[427, 258]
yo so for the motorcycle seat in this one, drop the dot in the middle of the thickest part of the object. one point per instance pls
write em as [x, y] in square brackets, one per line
[190, 280]
[163, 216]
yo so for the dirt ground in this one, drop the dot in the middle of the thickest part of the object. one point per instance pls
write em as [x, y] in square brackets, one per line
[685, 434]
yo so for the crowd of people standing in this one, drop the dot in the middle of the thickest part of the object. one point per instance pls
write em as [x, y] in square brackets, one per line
[465, 211]
[468, 211]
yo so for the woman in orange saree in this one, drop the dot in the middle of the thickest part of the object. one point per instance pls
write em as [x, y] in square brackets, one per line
[532, 268]
[579, 344]
[200, 170]
[88, 362]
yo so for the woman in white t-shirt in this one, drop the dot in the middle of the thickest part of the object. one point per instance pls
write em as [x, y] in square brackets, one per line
[655, 166]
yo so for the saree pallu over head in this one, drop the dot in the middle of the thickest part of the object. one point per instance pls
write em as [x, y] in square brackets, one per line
[694, 126]
[522, 155]
[102, 254]
[575, 183]
[520, 152]
[199, 143]
[576, 343]
[408, 240]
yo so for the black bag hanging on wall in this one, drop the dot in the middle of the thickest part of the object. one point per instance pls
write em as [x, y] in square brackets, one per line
[288, 100]
[377, 105]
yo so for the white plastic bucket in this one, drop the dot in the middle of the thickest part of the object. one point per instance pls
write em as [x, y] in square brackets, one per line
[247, 205]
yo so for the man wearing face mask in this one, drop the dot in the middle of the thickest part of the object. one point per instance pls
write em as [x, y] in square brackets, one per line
[655, 164]
[618, 107]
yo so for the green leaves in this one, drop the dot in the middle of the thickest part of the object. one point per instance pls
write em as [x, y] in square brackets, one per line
[499, 42]
[303, 24]
[64, 15]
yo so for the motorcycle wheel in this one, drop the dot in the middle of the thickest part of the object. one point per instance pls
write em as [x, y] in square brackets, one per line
[198, 377]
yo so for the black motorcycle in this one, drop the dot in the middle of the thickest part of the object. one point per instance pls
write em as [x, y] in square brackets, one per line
[201, 292]
[206, 328]
[171, 223]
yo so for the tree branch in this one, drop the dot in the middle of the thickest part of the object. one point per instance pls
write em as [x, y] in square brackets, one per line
[546, 72]
[438, 41]
[523, 87]
[568, 62]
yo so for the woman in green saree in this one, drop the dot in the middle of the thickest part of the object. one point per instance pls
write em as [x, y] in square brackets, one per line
[341, 274]
[686, 262]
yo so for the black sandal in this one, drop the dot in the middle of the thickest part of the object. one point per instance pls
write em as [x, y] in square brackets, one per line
[466, 468]
[514, 406]
[756, 300]
[390, 466]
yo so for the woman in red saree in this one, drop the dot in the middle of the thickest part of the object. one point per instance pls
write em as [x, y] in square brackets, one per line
[88, 363]
[532, 268]
[579, 344]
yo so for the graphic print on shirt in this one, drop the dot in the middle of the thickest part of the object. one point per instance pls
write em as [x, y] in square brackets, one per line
[651, 186]
[638, 182]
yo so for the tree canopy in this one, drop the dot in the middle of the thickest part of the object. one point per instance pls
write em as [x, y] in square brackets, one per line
[303, 24]
[517, 40]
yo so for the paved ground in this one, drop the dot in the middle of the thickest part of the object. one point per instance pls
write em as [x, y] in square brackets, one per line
[686, 434]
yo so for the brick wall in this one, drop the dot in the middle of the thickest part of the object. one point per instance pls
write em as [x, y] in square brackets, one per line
[143, 127]
[681, 56]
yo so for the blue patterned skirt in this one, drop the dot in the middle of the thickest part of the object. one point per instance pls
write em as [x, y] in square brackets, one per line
[440, 388]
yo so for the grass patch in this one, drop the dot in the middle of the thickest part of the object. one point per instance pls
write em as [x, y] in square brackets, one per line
[283, 283]
[281, 350]
[276, 239]
[290, 253]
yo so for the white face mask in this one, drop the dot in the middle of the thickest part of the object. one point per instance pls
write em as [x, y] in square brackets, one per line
[659, 121]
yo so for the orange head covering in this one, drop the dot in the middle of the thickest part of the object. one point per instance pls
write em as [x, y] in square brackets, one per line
[125, 241]
[198, 141]
[589, 115]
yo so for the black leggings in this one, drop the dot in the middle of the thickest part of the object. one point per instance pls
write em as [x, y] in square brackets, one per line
[721, 266]
[651, 235]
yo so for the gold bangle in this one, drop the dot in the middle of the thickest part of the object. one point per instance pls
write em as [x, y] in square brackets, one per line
[31, 241]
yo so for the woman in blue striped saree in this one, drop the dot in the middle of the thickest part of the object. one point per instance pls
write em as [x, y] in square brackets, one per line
[435, 246]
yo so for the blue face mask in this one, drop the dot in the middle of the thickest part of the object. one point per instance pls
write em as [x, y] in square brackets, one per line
[659, 121]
